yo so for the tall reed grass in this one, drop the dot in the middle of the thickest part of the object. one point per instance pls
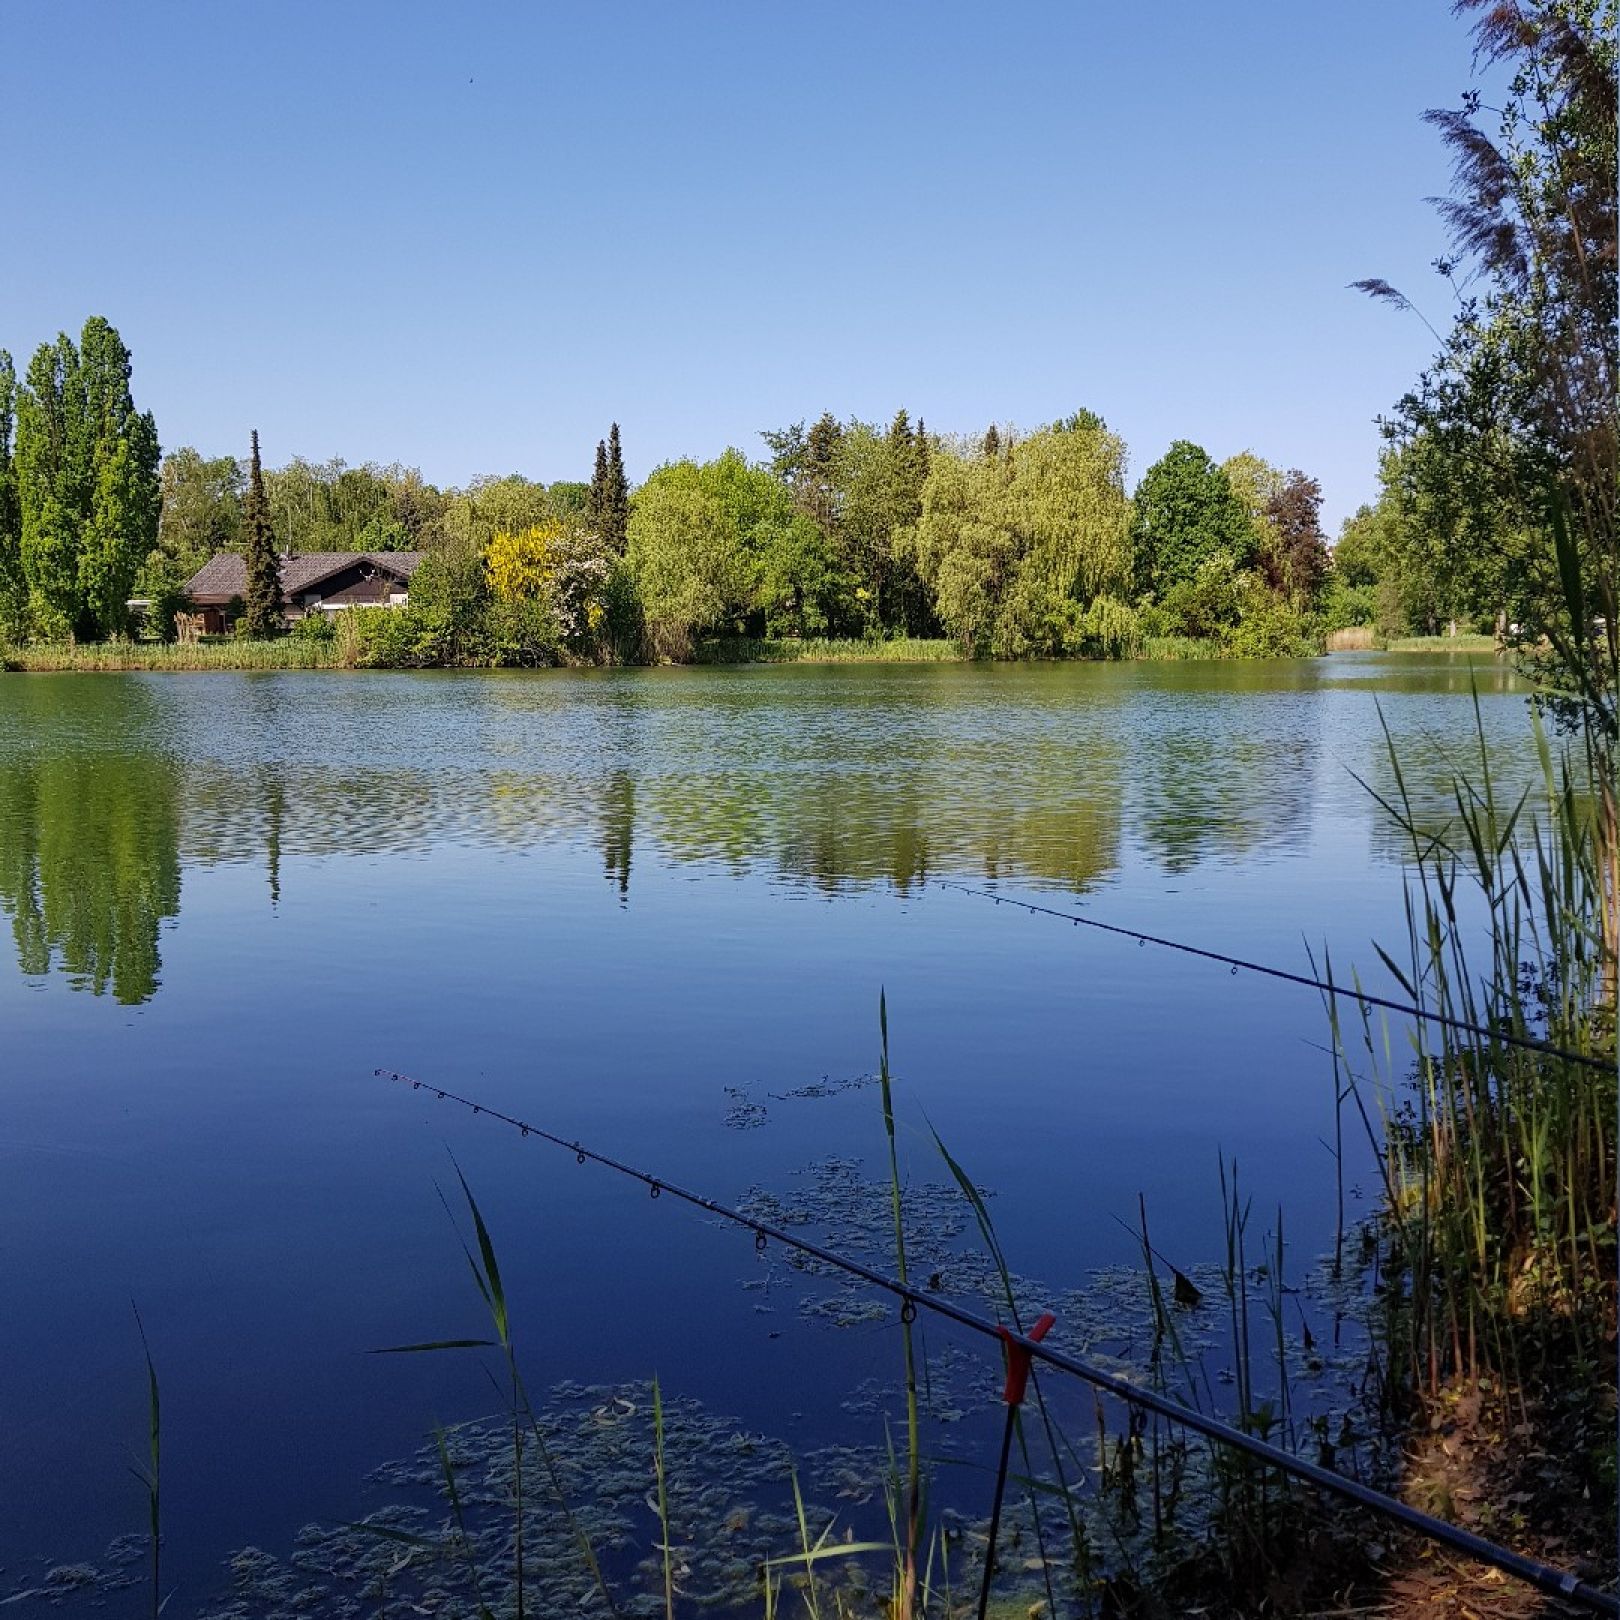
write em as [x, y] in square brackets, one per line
[288, 652]
[826, 650]
[1467, 643]
[1176, 649]
[1498, 1162]
[1357, 638]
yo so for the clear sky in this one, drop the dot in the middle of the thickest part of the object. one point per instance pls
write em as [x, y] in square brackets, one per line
[467, 236]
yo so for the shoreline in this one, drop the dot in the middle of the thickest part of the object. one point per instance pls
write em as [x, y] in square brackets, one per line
[290, 653]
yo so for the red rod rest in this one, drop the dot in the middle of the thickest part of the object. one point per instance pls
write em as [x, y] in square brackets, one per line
[1018, 1358]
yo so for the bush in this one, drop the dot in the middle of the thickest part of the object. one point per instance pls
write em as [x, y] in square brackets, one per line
[524, 634]
[1210, 603]
[169, 601]
[1269, 627]
[1349, 607]
[624, 627]
[388, 638]
[316, 626]
[1110, 629]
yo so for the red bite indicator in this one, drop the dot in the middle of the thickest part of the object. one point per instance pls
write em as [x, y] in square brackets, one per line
[1018, 1358]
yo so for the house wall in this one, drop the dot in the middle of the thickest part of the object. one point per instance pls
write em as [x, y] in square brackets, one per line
[360, 586]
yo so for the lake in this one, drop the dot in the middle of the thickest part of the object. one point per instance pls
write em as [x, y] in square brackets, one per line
[652, 910]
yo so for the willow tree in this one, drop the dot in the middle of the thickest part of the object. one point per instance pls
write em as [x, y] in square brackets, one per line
[1016, 550]
[686, 552]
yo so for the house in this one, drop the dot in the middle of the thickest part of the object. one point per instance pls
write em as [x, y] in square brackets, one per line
[311, 581]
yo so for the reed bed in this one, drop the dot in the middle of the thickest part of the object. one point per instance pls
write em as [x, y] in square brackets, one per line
[288, 652]
[1174, 649]
[1499, 1163]
[1443, 644]
[827, 650]
[1358, 638]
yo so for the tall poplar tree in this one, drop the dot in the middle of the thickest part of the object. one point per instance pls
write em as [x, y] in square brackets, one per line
[87, 483]
[263, 599]
[13, 588]
[49, 459]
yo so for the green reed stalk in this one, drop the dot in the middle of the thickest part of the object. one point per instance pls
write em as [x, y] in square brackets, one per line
[151, 1476]
[913, 1528]
[1500, 1194]
[663, 1500]
[521, 1412]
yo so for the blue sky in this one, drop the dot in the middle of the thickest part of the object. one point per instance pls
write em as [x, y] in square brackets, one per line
[467, 237]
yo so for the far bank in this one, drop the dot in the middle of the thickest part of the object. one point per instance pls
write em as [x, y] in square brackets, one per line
[294, 652]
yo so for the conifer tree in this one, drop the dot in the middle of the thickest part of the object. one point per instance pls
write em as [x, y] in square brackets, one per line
[817, 485]
[596, 494]
[263, 599]
[991, 444]
[607, 503]
[616, 504]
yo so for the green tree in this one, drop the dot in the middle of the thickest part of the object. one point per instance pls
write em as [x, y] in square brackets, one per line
[262, 599]
[1185, 513]
[608, 503]
[807, 464]
[201, 511]
[1363, 585]
[331, 506]
[119, 528]
[1514, 420]
[686, 552]
[879, 479]
[51, 483]
[798, 583]
[1255, 482]
[87, 485]
[450, 595]
[13, 586]
[570, 499]
[720, 548]
[472, 516]
[1016, 550]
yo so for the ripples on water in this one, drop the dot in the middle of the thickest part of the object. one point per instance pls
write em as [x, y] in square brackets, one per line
[828, 778]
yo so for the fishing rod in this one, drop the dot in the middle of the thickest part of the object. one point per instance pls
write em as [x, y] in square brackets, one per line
[1544, 1577]
[1460, 1026]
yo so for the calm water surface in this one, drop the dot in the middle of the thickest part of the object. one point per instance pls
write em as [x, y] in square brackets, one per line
[638, 907]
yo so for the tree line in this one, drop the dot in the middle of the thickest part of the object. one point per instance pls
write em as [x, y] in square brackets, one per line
[1011, 543]
[1014, 544]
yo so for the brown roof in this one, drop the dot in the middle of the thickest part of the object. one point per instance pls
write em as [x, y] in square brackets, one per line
[225, 575]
